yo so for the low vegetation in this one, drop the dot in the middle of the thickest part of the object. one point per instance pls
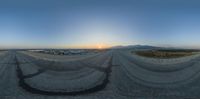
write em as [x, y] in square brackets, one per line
[166, 53]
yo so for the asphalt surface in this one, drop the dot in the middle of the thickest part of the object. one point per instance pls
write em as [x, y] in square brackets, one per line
[117, 75]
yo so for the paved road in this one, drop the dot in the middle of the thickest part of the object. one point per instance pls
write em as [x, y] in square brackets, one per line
[135, 80]
[12, 82]
[124, 78]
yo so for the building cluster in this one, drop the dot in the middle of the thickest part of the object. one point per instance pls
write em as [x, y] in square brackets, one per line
[66, 51]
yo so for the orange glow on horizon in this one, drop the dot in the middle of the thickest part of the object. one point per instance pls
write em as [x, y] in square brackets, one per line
[99, 47]
[89, 46]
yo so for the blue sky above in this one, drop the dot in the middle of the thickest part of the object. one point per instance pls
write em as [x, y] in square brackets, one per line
[78, 23]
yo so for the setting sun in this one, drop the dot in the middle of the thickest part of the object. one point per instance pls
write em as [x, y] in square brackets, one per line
[102, 46]
[99, 47]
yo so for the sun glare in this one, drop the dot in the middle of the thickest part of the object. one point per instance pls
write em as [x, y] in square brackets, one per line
[102, 46]
[99, 47]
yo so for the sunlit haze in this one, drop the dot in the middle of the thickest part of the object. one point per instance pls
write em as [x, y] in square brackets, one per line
[99, 23]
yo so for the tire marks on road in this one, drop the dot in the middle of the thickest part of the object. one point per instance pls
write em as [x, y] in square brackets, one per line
[30, 89]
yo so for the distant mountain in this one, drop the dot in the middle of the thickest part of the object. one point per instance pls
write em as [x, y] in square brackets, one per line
[117, 47]
[136, 47]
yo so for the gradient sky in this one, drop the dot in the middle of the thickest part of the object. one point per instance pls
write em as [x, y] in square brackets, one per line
[94, 23]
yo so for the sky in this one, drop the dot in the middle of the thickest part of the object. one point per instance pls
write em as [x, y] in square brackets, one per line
[99, 23]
